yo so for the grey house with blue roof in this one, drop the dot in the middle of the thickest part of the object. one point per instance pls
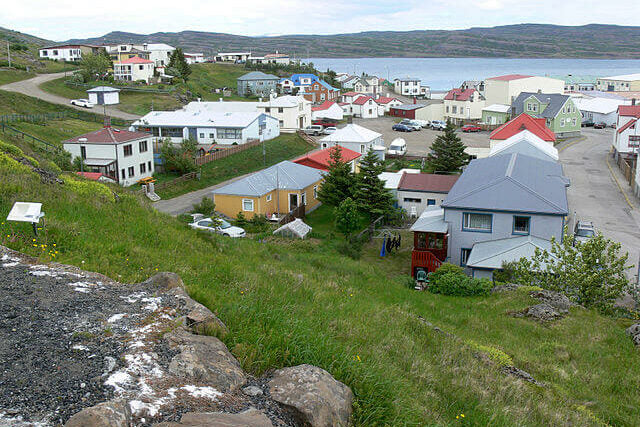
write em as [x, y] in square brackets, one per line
[515, 201]
[257, 83]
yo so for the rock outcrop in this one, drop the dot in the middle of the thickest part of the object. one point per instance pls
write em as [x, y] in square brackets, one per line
[314, 396]
[634, 332]
[108, 414]
[249, 418]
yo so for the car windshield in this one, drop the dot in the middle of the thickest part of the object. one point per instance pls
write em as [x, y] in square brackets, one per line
[224, 224]
[395, 147]
[585, 232]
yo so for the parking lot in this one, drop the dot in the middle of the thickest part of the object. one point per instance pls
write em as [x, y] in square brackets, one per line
[418, 143]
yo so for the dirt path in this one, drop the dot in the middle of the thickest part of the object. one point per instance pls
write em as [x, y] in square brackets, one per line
[31, 87]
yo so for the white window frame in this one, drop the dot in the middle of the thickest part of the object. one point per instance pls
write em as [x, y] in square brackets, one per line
[244, 208]
[268, 197]
[315, 191]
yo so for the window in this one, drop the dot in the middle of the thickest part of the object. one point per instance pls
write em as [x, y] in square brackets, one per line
[128, 150]
[464, 256]
[83, 152]
[149, 166]
[229, 133]
[304, 198]
[143, 168]
[247, 205]
[521, 224]
[315, 191]
[562, 123]
[454, 110]
[211, 136]
[280, 110]
[431, 202]
[201, 135]
[574, 122]
[412, 200]
[142, 146]
[362, 147]
[140, 67]
[476, 222]
[268, 197]
[122, 173]
[281, 123]
[267, 110]
[447, 108]
[132, 171]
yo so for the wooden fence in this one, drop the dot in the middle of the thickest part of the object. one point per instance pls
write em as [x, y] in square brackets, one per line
[625, 166]
[226, 152]
[367, 233]
[185, 177]
[299, 212]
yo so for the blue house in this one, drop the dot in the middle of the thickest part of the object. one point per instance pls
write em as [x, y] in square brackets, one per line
[257, 83]
[516, 201]
[299, 81]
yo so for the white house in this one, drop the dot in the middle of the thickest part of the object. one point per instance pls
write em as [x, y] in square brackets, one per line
[366, 107]
[70, 52]
[626, 138]
[104, 95]
[159, 53]
[232, 56]
[623, 83]
[599, 110]
[461, 106]
[505, 89]
[194, 58]
[327, 110]
[387, 102]
[392, 179]
[292, 112]
[407, 86]
[133, 69]
[349, 82]
[122, 155]
[271, 58]
[527, 143]
[354, 137]
[209, 127]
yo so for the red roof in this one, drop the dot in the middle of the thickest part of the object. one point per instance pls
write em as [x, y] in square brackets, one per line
[324, 106]
[135, 60]
[94, 176]
[343, 103]
[459, 94]
[427, 182]
[510, 77]
[385, 100]
[320, 159]
[362, 100]
[108, 135]
[351, 94]
[629, 124]
[629, 110]
[524, 121]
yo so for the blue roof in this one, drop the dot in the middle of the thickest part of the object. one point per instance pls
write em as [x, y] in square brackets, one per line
[513, 183]
[295, 78]
[327, 85]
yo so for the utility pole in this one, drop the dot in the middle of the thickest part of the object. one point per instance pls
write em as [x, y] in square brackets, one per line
[9, 53]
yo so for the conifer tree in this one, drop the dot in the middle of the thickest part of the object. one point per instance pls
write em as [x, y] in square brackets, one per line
[370, 195]
[339, 183]
[178, 64]
[447, 152]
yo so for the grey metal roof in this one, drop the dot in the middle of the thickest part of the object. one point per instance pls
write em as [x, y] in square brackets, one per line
[555, 102]
[409, 107]
[511, 182]
[493, 253]
[431, 221]
[103, 89]
[296, 228]
[258, 75]
[285, 175]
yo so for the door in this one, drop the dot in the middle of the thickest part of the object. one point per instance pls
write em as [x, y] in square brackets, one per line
[100, 98]
[293, 201]
[301, 125]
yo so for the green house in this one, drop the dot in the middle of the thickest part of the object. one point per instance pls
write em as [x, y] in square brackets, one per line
[496, 114]
[561, 114]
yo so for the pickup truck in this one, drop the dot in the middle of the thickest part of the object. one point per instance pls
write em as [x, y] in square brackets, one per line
[314, 130]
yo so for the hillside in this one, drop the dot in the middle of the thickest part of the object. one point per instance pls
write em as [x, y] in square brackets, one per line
[24, 56]
[290, 302]
[523, 40]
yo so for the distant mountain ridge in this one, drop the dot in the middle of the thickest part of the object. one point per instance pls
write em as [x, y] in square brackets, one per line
[515, 41]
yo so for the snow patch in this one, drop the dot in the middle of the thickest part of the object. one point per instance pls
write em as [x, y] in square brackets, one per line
[85, 287]
[10, 264]
[203, 392]
[116, 317]
[152, 303]
[80, 347]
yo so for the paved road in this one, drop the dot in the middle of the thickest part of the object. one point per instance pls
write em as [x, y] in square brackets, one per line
[31, 87]
[594, 194]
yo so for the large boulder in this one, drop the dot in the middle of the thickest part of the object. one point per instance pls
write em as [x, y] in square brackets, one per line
[542, 312]
[205, 359]
[108, 414]
[164, 281]
[249, 418]
[633, 330]
[313, 395]
[555, 299]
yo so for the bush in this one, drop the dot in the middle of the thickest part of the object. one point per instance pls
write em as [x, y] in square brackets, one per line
[351, 248]
[206, 207]
[241, 220]
[450, 279]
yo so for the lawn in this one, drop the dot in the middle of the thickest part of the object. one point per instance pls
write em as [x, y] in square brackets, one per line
[17, 103]
[9, 76]
[291, 302]
[56, 131]
[284, 147]
[205, 78]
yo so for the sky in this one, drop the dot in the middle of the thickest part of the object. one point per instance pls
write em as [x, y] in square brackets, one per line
[61, 20]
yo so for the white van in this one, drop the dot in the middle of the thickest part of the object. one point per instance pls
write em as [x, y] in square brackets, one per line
[398, 147]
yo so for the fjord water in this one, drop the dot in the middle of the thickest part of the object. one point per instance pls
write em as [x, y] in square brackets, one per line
[445, 73]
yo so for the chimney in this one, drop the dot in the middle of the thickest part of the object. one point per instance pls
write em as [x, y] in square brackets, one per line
[414, 100]
[539, 90]
[260, 99]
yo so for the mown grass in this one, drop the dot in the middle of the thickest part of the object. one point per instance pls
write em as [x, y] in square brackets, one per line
[56, 131]
[284, 147]
[10, 76]
[290, 302]
[17, 103]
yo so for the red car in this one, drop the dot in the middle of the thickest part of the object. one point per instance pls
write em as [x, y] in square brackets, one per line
[471, 128]
[600, 125]
[325, 123]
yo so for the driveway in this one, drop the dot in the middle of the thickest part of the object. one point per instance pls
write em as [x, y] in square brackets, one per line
[595, 195]
[418, 143]
[31, 87]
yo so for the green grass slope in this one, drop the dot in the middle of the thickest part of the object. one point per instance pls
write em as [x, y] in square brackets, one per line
[290, 302]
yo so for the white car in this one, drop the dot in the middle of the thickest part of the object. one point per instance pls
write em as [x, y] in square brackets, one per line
[81, 103]
[330, 130]
[424, 123]
[219, 226]
[398, 147]
[438, 125]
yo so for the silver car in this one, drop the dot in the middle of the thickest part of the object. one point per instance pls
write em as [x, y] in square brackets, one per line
[583, 231]
[82, 103]
[219, 226]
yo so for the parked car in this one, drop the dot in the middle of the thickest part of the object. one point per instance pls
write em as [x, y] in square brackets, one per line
[587, 123]
[438, 125]
[325, 123]
[398, 147]
[470, 128]
[401, 128]
[219, 226]
[600, 125]
[314, 130]
[329, 130]
[424, 123]
[81, 103]
[583, 231]
[411, 123]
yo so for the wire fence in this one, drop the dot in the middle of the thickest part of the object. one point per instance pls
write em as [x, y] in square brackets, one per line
[122, 88]
[34, 140]
[60, 115]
